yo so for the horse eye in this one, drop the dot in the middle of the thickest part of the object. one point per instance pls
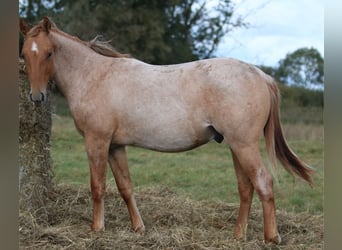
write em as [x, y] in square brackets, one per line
[49, 55]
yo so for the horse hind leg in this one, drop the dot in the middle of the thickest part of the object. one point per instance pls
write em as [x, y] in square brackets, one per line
[246, 190]
[119, 165]
[252, 165]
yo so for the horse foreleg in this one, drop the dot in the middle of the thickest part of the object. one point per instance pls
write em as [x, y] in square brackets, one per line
[251, 162]
[97, 152]
[246, 189]
[119, 165]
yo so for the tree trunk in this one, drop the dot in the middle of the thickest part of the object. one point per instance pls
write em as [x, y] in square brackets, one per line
[35, 173]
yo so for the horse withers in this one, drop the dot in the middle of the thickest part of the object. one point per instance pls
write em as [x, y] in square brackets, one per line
[116, 100]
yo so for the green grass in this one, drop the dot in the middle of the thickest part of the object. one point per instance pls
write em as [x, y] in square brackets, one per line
[206, 173]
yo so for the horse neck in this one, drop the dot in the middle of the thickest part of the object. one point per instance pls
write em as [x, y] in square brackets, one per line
[72, 58]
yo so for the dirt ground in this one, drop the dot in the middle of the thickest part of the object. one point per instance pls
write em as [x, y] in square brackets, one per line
[172, 222]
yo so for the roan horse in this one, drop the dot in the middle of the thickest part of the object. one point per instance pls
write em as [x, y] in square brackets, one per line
[116, 101]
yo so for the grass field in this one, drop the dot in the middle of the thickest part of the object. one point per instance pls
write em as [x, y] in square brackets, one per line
[205, 173]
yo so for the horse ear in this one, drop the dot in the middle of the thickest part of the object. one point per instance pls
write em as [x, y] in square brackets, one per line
[47, 23]
[24, 27]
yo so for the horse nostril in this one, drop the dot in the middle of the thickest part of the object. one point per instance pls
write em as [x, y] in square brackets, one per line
[42, 97]
[31, 98]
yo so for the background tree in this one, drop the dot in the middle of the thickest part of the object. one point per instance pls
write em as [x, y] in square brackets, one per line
[156, 31]
[301, 78]
[303, 67]
[194, 30]
[33, 9]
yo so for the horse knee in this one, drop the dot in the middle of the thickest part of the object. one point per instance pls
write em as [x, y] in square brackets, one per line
[97, 192]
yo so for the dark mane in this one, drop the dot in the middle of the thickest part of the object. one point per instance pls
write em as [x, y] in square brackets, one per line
[100, 47]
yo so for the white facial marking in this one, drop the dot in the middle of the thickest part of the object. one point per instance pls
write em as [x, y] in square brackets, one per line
[34, 47]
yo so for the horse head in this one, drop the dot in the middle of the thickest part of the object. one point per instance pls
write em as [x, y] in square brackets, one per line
[38, 53]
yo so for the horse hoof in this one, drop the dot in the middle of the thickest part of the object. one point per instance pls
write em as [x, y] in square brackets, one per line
[97, 229]
[240, 233]
[275, 240]
[139, 229]
[240, 237]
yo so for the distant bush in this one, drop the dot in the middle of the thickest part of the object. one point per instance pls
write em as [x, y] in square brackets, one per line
[300, 96]
[301, 105]
[304, 115]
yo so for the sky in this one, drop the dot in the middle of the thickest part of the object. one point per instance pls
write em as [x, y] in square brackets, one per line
[277, 27]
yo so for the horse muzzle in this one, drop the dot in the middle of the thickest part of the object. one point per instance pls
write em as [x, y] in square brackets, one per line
[37, 98]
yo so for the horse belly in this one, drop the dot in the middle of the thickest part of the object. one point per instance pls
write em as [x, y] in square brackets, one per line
[169, 137]
[173, 140]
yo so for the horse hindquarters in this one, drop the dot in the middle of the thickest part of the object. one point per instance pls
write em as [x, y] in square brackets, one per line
[242, 126]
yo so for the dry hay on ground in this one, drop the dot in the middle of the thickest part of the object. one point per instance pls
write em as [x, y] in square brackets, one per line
[172, 222]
